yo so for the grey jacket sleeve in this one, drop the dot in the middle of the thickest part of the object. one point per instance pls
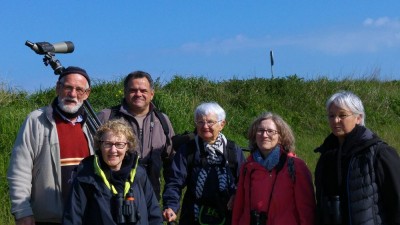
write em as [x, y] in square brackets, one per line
[19, 172]
[104, 115]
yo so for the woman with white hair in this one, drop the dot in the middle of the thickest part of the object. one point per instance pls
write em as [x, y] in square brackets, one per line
[356, 176]
[208, 166]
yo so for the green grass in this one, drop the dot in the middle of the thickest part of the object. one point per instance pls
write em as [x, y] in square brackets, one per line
[14, 108]
[301, 103]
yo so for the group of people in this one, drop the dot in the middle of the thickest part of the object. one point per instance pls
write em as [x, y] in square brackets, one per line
[61, 173]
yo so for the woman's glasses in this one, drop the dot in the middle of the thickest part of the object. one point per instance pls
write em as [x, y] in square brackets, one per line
[109, 144]
[209, 123]
[270, 132]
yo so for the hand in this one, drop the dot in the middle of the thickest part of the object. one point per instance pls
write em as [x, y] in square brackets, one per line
[169, 215]
[229, 205]
[28, 220]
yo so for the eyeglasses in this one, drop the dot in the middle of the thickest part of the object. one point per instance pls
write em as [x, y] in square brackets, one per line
[109, 144]
[270, 132]
[209, 123]
[341, 116]
[79, 91]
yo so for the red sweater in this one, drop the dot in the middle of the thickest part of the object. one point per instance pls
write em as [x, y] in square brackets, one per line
[73, 148]
[292, 202]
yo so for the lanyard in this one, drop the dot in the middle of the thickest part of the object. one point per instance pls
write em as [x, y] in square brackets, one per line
[101, 173]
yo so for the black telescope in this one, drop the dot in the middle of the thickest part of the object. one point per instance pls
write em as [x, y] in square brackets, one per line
[48, 50]
[43, 48]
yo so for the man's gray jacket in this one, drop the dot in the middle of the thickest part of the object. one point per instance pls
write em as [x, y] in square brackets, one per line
[34, 172]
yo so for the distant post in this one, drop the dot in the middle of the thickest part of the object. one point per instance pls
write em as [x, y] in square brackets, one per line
[271, 56]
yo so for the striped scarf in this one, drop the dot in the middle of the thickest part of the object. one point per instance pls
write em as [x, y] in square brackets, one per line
[214, 156]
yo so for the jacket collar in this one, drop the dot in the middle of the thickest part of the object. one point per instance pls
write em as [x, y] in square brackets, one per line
[358, 139]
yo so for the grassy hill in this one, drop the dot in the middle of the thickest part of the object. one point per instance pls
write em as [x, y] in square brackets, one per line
[301, 103]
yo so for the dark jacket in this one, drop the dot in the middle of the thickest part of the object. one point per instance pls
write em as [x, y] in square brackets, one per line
[184, 176]
[92, 202]
[361, 176]
[153, 147]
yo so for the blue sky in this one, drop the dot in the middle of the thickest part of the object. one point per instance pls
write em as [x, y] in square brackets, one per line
[216, 39]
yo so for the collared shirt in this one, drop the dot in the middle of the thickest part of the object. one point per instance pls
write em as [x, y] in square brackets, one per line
[78, 119]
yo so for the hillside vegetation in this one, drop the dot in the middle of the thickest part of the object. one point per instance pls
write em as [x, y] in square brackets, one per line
[301, 103]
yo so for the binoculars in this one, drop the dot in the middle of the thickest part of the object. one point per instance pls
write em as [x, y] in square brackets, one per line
[127, 212]
[258, 218]
[331, 210]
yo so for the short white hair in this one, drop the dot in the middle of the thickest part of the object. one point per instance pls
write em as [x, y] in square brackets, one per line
[207, 108]
[347, 99]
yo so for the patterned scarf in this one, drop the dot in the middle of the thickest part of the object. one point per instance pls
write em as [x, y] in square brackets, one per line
[215, 150]
[214, 156]
[271, 160]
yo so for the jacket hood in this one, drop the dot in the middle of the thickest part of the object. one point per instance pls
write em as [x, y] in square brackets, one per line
[358, 139]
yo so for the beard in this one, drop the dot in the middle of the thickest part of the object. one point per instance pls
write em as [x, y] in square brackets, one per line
[69, 108]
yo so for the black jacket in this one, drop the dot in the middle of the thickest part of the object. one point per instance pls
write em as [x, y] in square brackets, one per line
[92, 202]
[154, 150]
[363, 172]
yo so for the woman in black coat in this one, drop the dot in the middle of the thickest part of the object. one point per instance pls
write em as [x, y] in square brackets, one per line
[110, 187]
[356, 176]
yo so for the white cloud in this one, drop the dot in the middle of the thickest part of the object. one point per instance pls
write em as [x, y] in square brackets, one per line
[382, 22]
[373, 35]
[342, 42]
[219, 45]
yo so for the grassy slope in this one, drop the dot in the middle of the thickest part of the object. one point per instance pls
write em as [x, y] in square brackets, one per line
[300, 103]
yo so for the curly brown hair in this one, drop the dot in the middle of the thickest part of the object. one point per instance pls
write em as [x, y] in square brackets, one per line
[286, 136]
[118, 127]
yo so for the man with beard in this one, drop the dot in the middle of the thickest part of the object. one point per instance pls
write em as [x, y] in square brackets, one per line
[149, 125]
[50, 144]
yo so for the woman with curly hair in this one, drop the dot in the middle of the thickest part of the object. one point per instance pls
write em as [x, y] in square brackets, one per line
[275, 187]
[110, 187]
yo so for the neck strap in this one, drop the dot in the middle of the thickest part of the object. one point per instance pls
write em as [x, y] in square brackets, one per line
[103, 176]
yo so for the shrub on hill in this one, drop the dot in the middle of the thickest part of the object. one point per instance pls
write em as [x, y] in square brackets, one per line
[301, 103]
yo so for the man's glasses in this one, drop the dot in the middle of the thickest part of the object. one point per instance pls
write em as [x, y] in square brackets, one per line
[79, 91]
[209, 123]
[109, 144]
[270, 132]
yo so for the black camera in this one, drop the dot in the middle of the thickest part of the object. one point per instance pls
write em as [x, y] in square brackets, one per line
[258, 218]
[331, 210]
[126, 209]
